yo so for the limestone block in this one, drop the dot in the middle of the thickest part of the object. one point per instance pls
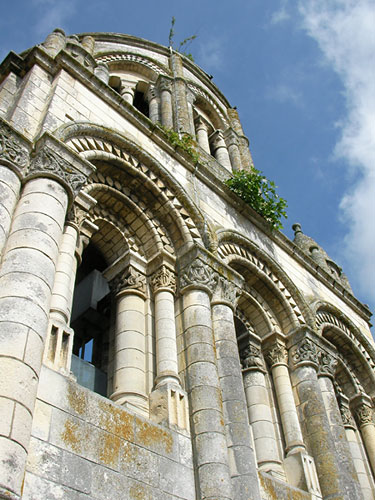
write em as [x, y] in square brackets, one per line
[212, 474]
[108, 484]
[32, 316]
[176, 479]
[140, 464]
[206, 419]
[6, 415]
[27, 259]
[76, 472]
[12, 457]
[41, 420]
[22, 386]
[21, 425]
[36, 488]
[185, 450]
[45, 460]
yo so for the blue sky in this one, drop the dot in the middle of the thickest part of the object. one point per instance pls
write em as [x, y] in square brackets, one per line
[302, 75]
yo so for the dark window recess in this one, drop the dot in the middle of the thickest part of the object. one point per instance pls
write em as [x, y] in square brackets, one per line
[90, 321]
[140, 103]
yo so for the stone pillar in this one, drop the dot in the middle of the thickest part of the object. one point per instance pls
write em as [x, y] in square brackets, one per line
[55, 42]
[220, 149]
[241, 455]
[182, 118]
[208, 430]
[359, 459]
[190, 104]
[14, 157]
[326, 373]
[233, 149]
[102, 72]
[129, 377]
[313, 415]
[59, 344]
[166, 110]
[259, 409]
[26, 279]
[246, 159]
[364, 414]
[202, 134]
[153, 104]
[168, 402]
[127, 91]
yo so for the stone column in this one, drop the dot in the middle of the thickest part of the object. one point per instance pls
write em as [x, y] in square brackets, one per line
[208, 431]
[166, 110]
[129, 377]
[127, 91]
[233, 149]
[102, 72]
[241, 455]
[26, 279]
[55, 42]
[356, 449]
[246, 159]
[153, 104]
[14, 157]
[364, 414]
[220, 149]
[326, 373]
[59, 344]
[180, 100]
[202, 134]
[190, 96]
[168, 402]
[313, 416]
[259, 409]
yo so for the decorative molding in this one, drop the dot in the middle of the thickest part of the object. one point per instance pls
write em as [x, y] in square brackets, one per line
[11, 147]
[198, 91]
[327, 364]
[199, 275]
[115, 58]
[164, 278]
[277, 354]
[251, 357]
[305, 352]
[47, 161]
[131, 279]
[364, 415]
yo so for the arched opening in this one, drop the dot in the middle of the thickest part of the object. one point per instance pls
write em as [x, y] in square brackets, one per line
[91, 322]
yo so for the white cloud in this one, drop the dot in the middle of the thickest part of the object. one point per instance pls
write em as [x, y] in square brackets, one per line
[52, 14]
[281, 15]
[211, 54]
[285, 93]
[344, 31]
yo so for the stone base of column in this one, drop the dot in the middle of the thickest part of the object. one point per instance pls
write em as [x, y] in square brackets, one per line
[169, 406]
[135, 402]
[59, 346]
[301, 473]
[274, 469]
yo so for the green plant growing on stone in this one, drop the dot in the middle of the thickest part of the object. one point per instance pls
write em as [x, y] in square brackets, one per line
[184, 44]
[260, 193]
[183, 140]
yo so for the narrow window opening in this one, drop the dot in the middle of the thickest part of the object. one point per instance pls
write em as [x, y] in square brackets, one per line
[141, 103]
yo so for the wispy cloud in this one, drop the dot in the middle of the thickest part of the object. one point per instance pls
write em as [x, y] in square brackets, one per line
[282, 14]
[211, 54]
[52, 14]
[344, 31]
[285, 93]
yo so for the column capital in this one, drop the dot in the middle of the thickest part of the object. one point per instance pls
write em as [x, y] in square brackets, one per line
[346, 414]
[130, 280]
[198, 275]
[217, 139]
[226, 292]
[251, 356]
[306, 347]
[14, 148]
[327, 364]
[231, 137]
[164, 83]
[152, 92]
[275, 349]
[363, 410]
[51, 158]
[164, 279]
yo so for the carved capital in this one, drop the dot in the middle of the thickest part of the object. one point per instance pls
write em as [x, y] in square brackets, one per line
[364, 414]
[346, 415]
[11, 147]
[152, 93]
[305, 352]
[49, 162]
[131, 279]
[164, 278]
[199, 275]
[327, 364]
[252, 358]
[277, 353]
[164, 84]
[226, 292]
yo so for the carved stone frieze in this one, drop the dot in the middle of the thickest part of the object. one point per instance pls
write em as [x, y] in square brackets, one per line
[327, 364]
[251, 357]
[278, 353]
[131, 279]
[305, 351]
[47, 161]
[11, 148]
[163, 278]
[199, 275]
[226, 291]
[364, 414]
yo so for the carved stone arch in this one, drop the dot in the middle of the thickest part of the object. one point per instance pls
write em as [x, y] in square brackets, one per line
[209, 106]
[125, 212]
[345, 379]
[94, 142]
[109, 239]
[352, 345]
[265, 275]
[133, 62]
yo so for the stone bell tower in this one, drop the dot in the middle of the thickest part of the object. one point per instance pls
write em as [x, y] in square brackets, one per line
[157, 339]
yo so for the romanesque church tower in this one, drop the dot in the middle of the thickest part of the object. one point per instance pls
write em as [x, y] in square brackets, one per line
[158, 341]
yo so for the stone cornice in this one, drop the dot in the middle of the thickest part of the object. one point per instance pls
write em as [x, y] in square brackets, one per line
[307, 348]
